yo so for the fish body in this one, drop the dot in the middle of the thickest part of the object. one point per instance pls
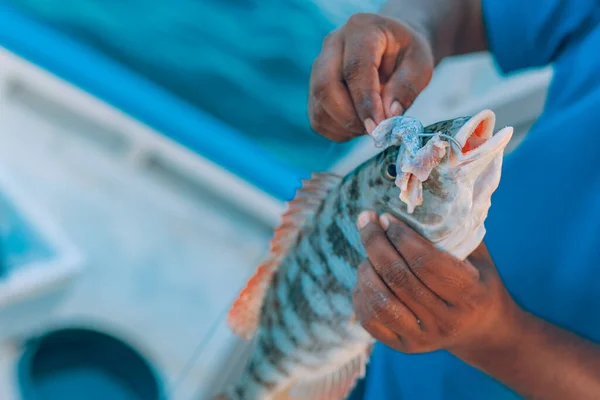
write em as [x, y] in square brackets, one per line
[298, 306]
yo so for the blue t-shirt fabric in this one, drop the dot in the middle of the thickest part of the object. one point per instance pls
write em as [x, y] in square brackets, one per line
[543, 228]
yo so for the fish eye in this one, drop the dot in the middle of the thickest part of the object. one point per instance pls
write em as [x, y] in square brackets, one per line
[390, 171]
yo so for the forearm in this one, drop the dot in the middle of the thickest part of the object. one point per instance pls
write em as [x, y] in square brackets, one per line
[453, 27]
[542, 361]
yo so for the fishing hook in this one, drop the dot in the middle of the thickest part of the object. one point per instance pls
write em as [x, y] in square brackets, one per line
[444, 136]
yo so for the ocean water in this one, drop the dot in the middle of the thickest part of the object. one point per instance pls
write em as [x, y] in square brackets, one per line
[247, 62]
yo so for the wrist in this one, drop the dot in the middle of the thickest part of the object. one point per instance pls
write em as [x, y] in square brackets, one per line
[452, 27]
[509, 341]
[437, 21]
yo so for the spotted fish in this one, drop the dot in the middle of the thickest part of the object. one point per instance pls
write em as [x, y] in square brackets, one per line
[297, 307]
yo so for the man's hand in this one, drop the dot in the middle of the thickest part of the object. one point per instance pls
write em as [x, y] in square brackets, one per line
[375, 66]
[371, 69]
[416, 298]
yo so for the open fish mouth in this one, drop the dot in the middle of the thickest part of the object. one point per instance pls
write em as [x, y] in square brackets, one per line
[476, 137]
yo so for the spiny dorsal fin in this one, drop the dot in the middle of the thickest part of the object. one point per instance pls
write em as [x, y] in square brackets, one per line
[245, 313]
[337, 383]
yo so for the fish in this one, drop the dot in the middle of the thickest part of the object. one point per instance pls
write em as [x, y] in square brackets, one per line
[296, 310]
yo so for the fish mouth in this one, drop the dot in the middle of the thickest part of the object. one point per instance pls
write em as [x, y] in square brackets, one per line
[476, 137]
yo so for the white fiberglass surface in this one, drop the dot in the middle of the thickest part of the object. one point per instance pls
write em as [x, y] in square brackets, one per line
[163, 257]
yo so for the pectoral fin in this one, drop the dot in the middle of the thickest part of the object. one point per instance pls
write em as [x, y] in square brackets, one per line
[244, 315]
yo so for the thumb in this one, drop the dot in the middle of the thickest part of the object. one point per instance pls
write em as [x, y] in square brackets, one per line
[481, 259]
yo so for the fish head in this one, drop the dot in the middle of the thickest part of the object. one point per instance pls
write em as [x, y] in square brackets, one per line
[474, 145]
[442, 186]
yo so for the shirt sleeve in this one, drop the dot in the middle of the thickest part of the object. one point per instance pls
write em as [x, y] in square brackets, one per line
[533, 33]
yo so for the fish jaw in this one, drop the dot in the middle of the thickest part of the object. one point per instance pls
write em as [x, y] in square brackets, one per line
[476, 173]
[479, 144]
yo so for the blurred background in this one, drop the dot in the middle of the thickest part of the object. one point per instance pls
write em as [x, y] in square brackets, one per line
[147, 149]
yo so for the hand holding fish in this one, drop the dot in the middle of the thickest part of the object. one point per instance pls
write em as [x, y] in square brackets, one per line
[416, 298]
[297, 307]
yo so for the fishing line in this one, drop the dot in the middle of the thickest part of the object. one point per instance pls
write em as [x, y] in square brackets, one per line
[442, 135]
[168, 394]
[198, 349]
[328, 154]
[197, 352]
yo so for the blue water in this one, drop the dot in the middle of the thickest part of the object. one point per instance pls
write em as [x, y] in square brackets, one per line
[247, 62]
[20, 244]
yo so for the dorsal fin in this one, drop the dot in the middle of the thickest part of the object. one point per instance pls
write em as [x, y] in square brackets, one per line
[245, 313]
[336, 383]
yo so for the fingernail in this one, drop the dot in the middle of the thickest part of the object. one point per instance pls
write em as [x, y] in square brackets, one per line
[370, 125]
[396, 108]
[384, 220]
[364, 218]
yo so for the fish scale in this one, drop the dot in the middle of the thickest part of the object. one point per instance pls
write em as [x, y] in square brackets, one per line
[298, 305]
[313, 261]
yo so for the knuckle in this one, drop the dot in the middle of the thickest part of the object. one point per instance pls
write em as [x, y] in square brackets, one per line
[366, 102]
[329, 37]
[315, 119]
[316, 66]
[446, 328]
[379, 309]
[424, 273]
[368, 323]
[359, 19]
[320, 88]
[352, 70]
[395, 233]
[352, 133]
[407, 103]
[398, 275]
[352, 125]
[426, 75]
[370, 236]
[418, 260]
[363, 269]
[477, 300]
[406, 90]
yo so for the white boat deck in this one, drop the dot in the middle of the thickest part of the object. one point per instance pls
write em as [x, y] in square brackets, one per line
[164, 256]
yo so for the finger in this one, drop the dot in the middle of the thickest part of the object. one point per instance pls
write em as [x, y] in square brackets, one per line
[322, 123]
[363, 53]
[396, 274]
[383, 305]
[412, 75]
[442, 273]
[380, 313]
[327, 93]
[372, 325]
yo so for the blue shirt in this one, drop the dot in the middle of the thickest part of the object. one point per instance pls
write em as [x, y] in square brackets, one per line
[543, 229]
